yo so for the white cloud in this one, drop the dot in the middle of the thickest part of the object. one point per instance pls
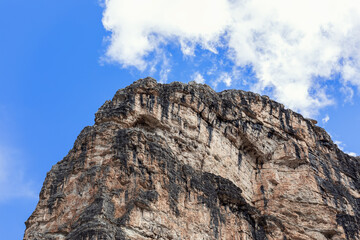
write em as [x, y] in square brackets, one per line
[12, 180]
[165, 69]
[140, 26]
[164, 74]
[340, 145]
[197, 77]
[326, 119]
[352, 154]
[348, 92]
[223, 78]
[292, 46]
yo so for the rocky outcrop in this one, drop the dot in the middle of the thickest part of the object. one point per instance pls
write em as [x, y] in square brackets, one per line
[181, 161]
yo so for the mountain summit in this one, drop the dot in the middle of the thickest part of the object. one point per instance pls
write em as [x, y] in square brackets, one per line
[181, 161]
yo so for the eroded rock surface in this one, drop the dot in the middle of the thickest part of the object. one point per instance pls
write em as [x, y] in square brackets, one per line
[181, 161]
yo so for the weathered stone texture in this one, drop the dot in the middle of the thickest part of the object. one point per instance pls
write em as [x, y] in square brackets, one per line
[181, 161]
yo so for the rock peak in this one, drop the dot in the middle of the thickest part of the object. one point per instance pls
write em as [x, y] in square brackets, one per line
[181, 161]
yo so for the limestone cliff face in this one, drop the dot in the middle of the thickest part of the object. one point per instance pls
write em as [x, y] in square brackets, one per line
[181, 161]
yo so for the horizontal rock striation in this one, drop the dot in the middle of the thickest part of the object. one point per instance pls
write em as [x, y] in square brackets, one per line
[181, 161]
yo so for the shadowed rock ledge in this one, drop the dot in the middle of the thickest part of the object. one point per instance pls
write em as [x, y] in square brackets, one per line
[181, 161]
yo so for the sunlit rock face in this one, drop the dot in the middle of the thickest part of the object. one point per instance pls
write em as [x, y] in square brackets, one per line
[181, 161]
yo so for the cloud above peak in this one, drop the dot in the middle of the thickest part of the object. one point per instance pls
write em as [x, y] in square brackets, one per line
[140, 27]
[294, 48]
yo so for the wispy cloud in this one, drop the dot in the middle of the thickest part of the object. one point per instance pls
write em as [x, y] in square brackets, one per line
[342, 146]
[293, 47]
[352, 154]
[225, 78]
[12, 178]
[339, 144]
[197, 77]
[325, 119]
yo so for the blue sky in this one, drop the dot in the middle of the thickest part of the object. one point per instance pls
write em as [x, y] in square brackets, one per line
[58, 65]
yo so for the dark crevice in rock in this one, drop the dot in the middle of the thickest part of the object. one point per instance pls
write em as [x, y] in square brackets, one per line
[262, 190]
[350, 224]
[338, 193]
[297, 151]
[210, 131]
[215, 188]
[239, 159]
